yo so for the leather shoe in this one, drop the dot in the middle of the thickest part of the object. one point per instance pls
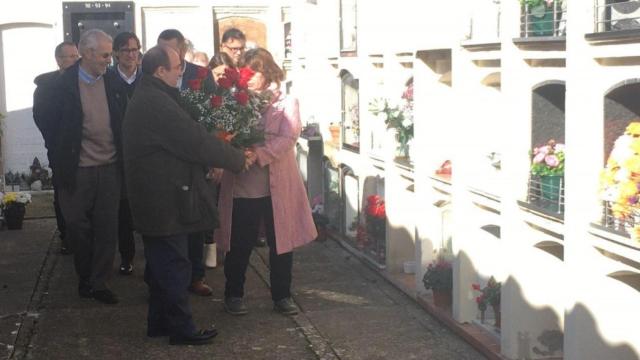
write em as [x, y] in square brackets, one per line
[285, 306]
[201, 337]
[105, 296]
[235, 306]
[199, 287]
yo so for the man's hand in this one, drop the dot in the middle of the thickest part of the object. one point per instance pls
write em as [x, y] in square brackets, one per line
[250, 158]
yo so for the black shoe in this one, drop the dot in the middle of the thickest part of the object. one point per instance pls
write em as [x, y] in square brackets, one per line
[235, 306]
[285, 306]
[105, 296]
[85, 290]
[126, 268]
[201, 337]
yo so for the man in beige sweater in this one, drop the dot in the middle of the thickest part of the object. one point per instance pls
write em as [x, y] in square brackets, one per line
[88, 162]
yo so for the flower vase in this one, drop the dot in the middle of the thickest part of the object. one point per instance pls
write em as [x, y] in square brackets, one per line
[550, 186]
[482, 313]
[442, 298]
[14, 215]
[335, 133]
[498, 316]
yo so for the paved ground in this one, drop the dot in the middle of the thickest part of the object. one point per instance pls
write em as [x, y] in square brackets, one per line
[348, 311]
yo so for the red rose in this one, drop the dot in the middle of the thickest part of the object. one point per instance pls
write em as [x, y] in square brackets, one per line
[231, 74]
[224, 136]
[476, 287]
[381, 211]
[216, 101]
[225, 83]
[242, 97]
[202, 72]
[194, 84]
[245, 75]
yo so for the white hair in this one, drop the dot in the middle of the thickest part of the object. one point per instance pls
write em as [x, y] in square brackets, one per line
[90, 39]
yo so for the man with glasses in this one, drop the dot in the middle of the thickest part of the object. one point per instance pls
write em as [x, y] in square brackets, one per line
[125, 74]
[233, 44]
[87, 162]
[175, 40]
[66, 54]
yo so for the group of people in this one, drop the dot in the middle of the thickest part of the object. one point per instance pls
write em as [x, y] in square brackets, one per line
[126, 157]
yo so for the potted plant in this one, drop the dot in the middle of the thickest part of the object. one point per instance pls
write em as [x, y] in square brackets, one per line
[334, 129]
[439, 279]
[14, 207]
[539, 16]
[376, 225]
[489, 296]
[548, 165]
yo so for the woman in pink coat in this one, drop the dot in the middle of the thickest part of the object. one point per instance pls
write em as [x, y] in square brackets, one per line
[272, 190]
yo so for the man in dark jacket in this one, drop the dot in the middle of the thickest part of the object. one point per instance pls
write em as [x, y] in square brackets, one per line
[126, 75]
[87, 162]
[66, 54]
[166, 157]
[174, 39]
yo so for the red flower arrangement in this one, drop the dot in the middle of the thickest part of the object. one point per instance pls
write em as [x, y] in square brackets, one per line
[230, 109]
[376, 207]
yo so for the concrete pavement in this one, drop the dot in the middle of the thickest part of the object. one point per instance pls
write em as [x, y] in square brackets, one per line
[348, 311]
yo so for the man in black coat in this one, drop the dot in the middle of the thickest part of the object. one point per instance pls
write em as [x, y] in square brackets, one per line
[174, 39]
[126, 75]
[66, 54]
[87, 162]
[166, 155]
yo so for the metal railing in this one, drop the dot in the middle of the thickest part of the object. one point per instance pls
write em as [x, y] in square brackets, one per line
[620, 218]
[612, 15]
[547, 194]
[544, 20]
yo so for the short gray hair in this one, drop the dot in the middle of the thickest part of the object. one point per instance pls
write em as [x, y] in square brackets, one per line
[90, 39]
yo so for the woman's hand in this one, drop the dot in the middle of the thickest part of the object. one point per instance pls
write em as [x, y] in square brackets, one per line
[250, 158]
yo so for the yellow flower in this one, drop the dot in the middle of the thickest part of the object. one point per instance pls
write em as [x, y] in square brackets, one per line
[633, 164]
[633, 129]
[619, 210]
[627, 189]
[10, 197]
[635, 145]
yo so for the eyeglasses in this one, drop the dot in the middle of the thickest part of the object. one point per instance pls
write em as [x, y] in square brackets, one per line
[129, 51]
[235, 49]
[103, 55]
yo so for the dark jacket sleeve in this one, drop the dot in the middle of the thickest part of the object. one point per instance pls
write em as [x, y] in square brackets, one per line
[43, 107]
[191, 142]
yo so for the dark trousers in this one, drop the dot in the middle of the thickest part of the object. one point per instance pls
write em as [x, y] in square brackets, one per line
[91, 214]
[59, 218]
[126, 242]
[168, 272]
[196, 255]
[245, 225]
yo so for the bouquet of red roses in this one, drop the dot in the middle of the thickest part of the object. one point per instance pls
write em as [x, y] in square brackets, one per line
[230, 110]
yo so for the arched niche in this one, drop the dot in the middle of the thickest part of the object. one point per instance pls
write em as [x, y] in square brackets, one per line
[332, 194]
[621, 106]
[350, 110]
[548, 112]
[351, 201]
